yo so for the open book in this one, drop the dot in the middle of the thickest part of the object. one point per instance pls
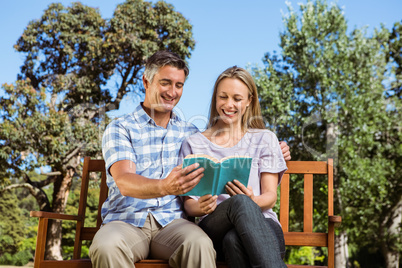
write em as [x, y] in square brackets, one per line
[218, 172]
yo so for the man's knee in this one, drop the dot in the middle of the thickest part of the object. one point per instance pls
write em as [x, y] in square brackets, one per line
[112, 242]
[196, 250]
[107, 245]
[201, 241]
[195, 237]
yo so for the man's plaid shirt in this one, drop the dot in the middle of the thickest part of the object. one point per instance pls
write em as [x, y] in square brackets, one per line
[154, 150]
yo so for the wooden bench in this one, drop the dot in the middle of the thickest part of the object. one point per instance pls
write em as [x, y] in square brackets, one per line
[306, 237]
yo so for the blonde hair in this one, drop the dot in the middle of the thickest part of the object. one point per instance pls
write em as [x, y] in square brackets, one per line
[252, 118]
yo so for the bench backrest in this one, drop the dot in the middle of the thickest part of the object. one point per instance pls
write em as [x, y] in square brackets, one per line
[82, 232]
[302, 238]
[307, 237]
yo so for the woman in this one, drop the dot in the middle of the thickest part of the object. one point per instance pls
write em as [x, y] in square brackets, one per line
[242, 225]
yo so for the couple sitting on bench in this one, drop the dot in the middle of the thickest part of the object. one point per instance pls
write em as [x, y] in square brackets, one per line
[143, 215]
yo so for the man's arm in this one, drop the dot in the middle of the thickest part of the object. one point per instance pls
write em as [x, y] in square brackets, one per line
[179, 181]
[285, 150]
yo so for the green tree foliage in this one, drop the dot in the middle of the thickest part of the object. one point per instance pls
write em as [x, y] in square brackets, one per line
[137, 30]
[17, 231]
[395, 56]
[55, 113]
[327, 94]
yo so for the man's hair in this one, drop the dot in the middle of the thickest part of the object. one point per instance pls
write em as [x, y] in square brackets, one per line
[161, 59]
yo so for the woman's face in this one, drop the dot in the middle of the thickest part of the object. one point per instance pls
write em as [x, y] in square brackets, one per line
[232, 99]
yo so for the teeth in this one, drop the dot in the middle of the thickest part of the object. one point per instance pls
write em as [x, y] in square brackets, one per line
[229, 113]
[167, 99]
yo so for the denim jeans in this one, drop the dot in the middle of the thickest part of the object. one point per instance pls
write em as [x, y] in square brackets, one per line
[243, 236]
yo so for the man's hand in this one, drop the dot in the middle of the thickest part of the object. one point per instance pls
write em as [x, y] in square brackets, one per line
[285, 150]
[181, 180]
[208, 203]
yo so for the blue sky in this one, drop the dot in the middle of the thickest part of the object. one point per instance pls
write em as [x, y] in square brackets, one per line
[227, 33]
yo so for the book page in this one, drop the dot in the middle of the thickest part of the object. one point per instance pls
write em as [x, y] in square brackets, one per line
[203, 155]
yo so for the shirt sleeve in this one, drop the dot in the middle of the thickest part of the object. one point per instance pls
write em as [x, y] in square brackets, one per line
[271, 158]
[184, 151]
[116, 145]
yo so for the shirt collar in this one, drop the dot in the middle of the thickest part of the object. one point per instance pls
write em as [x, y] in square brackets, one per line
[143, 118]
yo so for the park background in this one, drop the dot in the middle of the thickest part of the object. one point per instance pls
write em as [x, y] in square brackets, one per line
[226, 33]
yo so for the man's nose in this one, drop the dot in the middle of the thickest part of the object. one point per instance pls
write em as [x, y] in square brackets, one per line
[172, 91]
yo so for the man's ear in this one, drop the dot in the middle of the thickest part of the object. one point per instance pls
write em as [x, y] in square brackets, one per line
[145, 82]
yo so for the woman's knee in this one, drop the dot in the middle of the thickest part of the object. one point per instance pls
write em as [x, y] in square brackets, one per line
[243, 201]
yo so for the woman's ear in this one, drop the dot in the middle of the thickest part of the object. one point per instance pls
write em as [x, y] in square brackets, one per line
[249, 101]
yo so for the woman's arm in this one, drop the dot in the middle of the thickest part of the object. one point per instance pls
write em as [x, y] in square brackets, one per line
[269, 185]
[205, 205]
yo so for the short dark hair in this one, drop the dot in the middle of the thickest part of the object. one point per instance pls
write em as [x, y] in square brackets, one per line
[163, 58]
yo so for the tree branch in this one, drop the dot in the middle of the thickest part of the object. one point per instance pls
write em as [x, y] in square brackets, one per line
[50, 179]
[68, 157]
[38, 193]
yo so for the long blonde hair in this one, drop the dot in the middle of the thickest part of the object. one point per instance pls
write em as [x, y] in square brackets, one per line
[252, 118]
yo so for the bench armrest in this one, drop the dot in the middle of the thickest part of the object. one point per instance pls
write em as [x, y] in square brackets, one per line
[336, 220]
[55, 216]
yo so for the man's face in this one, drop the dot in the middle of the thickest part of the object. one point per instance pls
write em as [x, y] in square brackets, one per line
[165, 91]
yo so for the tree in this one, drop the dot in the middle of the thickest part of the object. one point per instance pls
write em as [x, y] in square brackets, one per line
[55, 113]
[391, 139]
[335, 106]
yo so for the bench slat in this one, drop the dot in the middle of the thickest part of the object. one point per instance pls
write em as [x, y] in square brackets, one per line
[308, 203]
[306, 239]
[284, 205]
[307, 167]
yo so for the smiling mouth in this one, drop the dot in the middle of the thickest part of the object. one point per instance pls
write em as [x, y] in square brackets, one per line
[167, 99]
[229, 113]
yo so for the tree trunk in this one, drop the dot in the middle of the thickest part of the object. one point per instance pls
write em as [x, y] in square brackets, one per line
[53, 242]
[60, 195]
[341, 250]
[341, 240]
[392, 232]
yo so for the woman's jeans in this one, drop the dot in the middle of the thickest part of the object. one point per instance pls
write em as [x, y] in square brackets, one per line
[243, 235]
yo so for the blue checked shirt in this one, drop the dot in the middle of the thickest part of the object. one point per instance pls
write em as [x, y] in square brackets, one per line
[154, 150]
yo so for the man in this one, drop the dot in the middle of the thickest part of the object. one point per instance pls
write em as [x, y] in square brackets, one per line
[143, 215]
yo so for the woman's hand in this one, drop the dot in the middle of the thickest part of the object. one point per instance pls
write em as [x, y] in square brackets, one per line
[208, 203]
[236, 187]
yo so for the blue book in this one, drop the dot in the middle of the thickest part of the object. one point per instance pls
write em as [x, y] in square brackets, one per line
[218, 172]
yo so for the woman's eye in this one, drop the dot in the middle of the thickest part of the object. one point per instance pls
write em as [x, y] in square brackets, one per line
[223, 97]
